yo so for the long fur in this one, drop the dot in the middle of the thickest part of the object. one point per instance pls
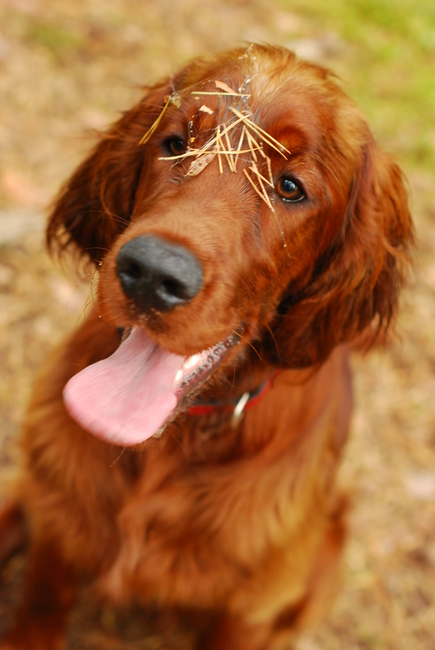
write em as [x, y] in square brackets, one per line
[240, 525]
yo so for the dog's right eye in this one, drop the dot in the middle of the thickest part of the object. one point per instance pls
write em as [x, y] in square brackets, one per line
[175, 146]
[289, 191]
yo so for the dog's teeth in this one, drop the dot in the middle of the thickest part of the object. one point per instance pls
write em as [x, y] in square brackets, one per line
[192, 361]
[189, 364]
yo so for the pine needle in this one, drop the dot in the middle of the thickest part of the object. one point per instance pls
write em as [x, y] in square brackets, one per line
[229, 127]
[215, 92]
[250, 141]
[251, 146]
[269, 169]
[257, 146]
[263, 189]
[208, 145]
[174, 99]
[186, 154]
[263, 134]
[260, 194]
[255, 169]
[155, 124]
[230, 158]
[218, 146]
[239, 147]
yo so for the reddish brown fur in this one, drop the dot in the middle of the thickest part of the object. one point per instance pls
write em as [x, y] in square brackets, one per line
[243, 525]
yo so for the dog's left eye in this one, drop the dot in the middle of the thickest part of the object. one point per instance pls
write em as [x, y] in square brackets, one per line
[289, 191]
[175, 146]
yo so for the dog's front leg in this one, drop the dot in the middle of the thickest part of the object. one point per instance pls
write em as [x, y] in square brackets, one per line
[49, 592]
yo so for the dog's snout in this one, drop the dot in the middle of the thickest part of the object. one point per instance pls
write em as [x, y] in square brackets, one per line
[158, 275]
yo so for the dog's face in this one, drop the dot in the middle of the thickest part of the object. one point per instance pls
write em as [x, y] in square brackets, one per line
[251, 236]
[243, 198]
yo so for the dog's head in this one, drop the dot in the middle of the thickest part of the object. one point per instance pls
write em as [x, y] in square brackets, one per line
[243, 197]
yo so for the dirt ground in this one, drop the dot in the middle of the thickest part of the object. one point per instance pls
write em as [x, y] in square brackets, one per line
[68, 67]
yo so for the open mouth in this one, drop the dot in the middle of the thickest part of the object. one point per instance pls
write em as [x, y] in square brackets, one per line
[132, 394]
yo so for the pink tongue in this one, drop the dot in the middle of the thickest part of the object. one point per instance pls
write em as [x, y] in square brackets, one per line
[126, 398]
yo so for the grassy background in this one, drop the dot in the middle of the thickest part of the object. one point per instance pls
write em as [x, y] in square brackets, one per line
[392, 61]
[69, 67]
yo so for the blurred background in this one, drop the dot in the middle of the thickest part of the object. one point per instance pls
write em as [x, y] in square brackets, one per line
[69, 67]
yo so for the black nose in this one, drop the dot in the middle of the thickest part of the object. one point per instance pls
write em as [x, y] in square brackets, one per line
[158, 275]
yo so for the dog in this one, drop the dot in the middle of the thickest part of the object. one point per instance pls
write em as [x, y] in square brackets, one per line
[180, 449]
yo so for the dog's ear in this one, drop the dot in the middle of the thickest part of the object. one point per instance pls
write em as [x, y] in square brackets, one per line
[355, 286]
[95, 205]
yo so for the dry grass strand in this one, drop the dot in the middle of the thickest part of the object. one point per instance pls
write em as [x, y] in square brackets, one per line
[174, 99]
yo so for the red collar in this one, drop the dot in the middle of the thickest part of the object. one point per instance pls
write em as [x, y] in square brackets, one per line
[235, 406]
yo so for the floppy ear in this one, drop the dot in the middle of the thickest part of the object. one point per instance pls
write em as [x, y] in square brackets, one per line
[95, 205]
[355, 286]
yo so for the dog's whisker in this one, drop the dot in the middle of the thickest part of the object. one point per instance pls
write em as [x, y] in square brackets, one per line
[118, 458]
[245, 340]
[275, 342]
[284, 241]
[328, 168]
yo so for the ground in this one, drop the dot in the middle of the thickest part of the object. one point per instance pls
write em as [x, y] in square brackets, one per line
[69, 67]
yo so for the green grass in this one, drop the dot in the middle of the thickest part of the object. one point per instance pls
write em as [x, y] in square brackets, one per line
[60, 41]
[392, 55]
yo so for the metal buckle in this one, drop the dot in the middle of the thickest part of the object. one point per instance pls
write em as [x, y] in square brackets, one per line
[238, 409]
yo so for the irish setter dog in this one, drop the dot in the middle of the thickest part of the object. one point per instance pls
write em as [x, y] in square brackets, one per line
[180, 450]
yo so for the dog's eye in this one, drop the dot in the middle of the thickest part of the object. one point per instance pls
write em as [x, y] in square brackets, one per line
[175, 146]
[288, 190]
